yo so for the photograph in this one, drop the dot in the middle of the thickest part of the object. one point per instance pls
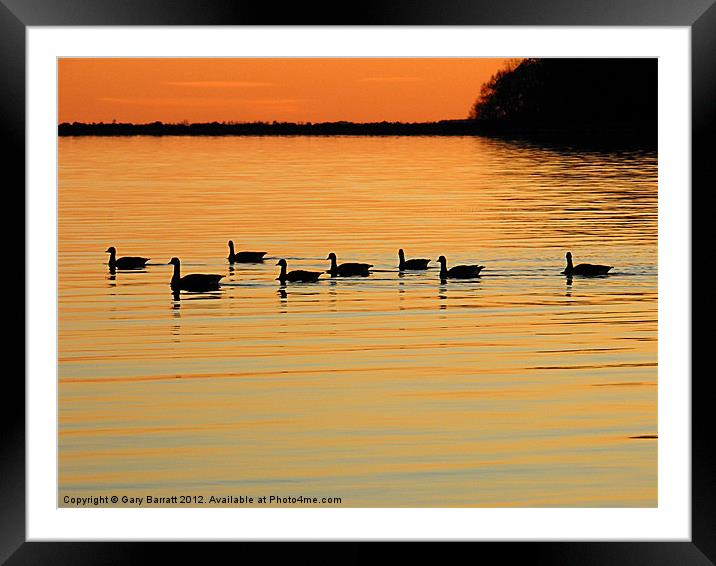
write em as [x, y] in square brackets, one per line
[357, 282]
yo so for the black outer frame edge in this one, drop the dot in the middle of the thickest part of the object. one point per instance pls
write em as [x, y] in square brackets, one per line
[369, 12]
[699, 14]
[703, 171]
[489, 553]
[12, 130]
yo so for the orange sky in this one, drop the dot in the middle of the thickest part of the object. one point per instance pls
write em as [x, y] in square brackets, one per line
[288, 89]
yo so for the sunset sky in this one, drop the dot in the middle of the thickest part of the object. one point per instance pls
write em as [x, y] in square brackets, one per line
[287, 89]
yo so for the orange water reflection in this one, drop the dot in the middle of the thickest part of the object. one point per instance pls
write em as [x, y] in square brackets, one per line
[386, 391]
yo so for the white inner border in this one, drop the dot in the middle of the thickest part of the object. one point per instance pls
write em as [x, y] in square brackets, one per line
[670, 521]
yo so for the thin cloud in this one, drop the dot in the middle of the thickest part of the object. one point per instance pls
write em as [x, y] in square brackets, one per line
[275, 101]
[218, 84]
[189, 102]
[390, 79]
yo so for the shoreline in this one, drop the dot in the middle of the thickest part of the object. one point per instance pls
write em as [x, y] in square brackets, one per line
[630, 135]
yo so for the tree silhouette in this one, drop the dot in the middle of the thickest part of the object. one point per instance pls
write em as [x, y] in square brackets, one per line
[571, 93]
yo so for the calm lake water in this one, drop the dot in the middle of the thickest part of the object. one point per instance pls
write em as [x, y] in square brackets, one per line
[520, 388]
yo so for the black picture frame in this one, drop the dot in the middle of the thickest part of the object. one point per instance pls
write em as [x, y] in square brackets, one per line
[698, 15]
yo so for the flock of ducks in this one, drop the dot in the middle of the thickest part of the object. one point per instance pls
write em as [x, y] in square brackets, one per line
[198, 282]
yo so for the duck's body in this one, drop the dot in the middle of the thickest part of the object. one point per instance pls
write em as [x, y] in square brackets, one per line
[127, 262]
[348, 269]
[297, 275]
[193, 281]
[458, 271]
[584, 268]
[411, 264]
[244, 257]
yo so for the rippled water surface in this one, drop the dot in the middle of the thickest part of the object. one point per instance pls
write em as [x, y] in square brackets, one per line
[520, 388]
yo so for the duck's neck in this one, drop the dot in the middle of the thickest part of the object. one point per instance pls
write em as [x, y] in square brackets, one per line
[112, 259]
[231, 251]
[401, 255]
[334, 266]
[177, 274]
[282, 277]
[569, 267]
[443, 269]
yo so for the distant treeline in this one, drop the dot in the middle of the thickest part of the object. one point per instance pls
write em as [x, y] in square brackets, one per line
[572, 94]
[571, 133]
[445, 127]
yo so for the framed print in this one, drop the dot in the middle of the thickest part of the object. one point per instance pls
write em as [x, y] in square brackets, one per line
[521, 373]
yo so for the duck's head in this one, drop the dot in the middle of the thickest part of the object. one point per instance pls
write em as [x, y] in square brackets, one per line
[174, 261]
[569, 255]
[401, 253]
[441, 259]
[331, 256]
[281, 262]
[231, 243]
[111, 250]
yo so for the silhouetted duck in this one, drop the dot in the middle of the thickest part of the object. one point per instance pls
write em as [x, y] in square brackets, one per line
[348, 269]
[459, 271]
[194, 281]
[297, 275]
[244, 257]
[128, 262]
[411, 263]
[584, 268]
